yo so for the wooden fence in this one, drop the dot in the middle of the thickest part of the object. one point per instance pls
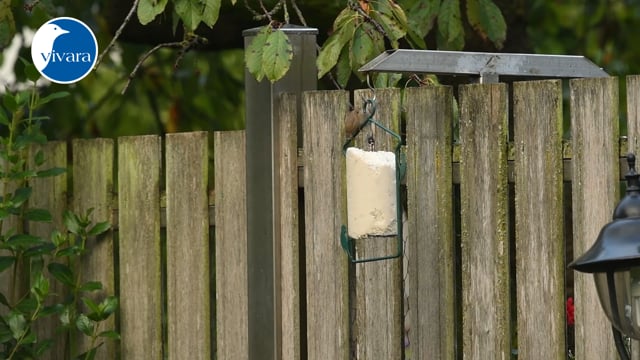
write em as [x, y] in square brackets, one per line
[487, 228]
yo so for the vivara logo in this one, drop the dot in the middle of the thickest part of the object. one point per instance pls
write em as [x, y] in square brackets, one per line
[64, 50]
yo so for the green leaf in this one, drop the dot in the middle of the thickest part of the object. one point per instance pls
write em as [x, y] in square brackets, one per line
[332, 48]
[31, 72]
[366, 44]
[91, 286]
[28, 305]
[109, 305]
[110, 334]
[276, 55]
[51, 172]
[62, 273]
[85, 325]
[72, 222]
[42, 346]
[253, 53]
[149, 9]
[44, 249]
[193, 12]
[42, 215]
[99, 228]
[486, 18]
[40, 287]
[6, 262]
[346, 15]
[9, 102]
[52, 309]
[343, 67]
[450, 31]
[391, 26]
[69, 251]
[422, 15]
[211, 12]
[95, 314]
[17, 324]
[51, 97]
[38, 158]
[88, 355]
[57, 238]
[23, 241]
[20, 196]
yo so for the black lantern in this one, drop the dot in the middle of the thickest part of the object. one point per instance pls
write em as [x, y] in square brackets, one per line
[614, 260]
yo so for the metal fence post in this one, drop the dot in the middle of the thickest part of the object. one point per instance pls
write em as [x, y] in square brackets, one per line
[262, 259]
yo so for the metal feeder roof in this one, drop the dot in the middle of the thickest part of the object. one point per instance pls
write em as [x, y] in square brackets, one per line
[488, 66]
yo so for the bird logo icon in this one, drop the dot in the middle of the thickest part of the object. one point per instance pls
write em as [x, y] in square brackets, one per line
[43, 44]
[64, 50]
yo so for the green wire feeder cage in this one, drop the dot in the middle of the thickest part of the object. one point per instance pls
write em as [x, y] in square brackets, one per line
[348, 242]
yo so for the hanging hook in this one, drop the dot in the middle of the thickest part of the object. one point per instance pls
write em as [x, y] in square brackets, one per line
[373, 90]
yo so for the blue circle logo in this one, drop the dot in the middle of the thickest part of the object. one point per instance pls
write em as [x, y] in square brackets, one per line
[64, 50]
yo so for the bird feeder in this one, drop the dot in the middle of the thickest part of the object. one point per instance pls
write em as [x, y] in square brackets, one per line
[373, 191]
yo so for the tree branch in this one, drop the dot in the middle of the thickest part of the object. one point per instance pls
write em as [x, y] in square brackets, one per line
[118, 33]
[176, 44]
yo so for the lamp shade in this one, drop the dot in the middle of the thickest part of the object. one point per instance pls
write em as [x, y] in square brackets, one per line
[618, 245]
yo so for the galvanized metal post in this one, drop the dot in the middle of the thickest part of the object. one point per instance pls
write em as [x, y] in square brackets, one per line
[262, 256]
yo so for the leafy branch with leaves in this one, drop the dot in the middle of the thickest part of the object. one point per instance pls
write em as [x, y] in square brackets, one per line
[30, 263]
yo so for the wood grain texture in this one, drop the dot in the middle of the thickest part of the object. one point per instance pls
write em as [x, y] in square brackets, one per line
[633, 146]
[139, 161]
[378, 285]
[539, 220]
[485, 242]
[595, 189]
[286, 227]
[429, 251]
[93, 189]
[326, 262]
[231, 246]
[633, 114]
[188, 283]
[51, 193]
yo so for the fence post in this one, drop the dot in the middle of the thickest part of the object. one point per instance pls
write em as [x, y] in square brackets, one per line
[262, 176]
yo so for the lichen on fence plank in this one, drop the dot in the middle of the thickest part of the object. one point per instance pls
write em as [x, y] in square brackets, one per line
[188, 283]
[484, 209]
[139, 164]
[430, 253]
[326, 263]
[595, 191]
[539, 226]
[231, 246]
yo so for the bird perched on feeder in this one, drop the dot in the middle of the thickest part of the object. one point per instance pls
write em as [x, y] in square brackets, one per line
[44, 39]
[353, 120]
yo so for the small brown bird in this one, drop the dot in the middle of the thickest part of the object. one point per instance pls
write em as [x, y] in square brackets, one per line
[353, 120]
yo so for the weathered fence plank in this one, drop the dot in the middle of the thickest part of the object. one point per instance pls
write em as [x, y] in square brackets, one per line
[595, 189]
[50, 193]
[93, 189]
[539, 214]
[231, 246]
[485, 242]
[286, 227]
[633, 146]
[326, 263]
[378, 285]
[188, 290]
[139, 247]
[633, 114]
[430, 281]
